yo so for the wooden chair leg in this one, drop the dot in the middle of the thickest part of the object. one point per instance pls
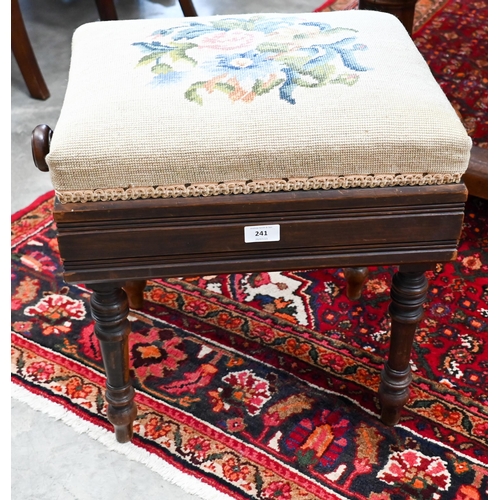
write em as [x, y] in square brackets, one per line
[24, 55]
[106, 10]
[188, 8]
[109, 309]
[408, 293]
[404, 10]
[135, 295]
[356, 277]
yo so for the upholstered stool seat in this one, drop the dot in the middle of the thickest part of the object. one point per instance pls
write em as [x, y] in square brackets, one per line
[244, 104]
[177, 136]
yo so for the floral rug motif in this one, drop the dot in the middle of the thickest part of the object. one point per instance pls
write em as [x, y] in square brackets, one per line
[264, 385]
[424, 9]
[452, 36]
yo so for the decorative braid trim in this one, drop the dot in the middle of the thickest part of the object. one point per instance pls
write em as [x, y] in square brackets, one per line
[262, 186]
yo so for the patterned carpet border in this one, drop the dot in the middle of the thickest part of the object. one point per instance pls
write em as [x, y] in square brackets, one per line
[216, 397]
[264, 385]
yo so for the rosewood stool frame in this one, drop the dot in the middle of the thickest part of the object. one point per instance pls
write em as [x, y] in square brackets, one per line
[114, 247]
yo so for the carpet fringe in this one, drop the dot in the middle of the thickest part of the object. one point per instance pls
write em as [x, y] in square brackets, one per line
[168, 472]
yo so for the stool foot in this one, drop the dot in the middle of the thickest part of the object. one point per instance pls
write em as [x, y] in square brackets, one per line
[109, 309]
[393, 393]
[356, 277]
[124, 433]
[408, 293]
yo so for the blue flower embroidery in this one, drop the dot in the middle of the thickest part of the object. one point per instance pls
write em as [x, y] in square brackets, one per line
[249, 66]
[249, 57]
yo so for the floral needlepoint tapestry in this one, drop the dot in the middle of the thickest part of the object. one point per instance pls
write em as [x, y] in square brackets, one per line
[246, 58]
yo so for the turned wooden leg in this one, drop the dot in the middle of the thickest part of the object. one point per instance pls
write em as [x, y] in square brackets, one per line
[188, 8]
[356, 277]
[106, 10]
[404, 10]
[408, 293]
[24, 55]
[134, 291]
[109, 309]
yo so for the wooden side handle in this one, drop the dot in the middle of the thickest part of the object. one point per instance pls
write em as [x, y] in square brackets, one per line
[40, 146]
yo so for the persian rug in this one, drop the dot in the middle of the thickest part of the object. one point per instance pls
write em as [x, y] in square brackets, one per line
[452, 36]
[264, 385]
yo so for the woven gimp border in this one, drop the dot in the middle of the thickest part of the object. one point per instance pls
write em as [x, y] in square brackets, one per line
[260, 186]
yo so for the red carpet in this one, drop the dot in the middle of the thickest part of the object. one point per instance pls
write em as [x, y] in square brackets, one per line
[452, 35]
[264, 385]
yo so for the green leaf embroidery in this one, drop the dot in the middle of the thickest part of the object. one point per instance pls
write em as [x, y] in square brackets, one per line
[229, 24]
[161, 69]
[183, 46]
[321, 76]
[273, 47]
[179, 54]
[224, 87]
[148, 59]
[191, 93]
[293, 62]
[346, 79]
[260, 88]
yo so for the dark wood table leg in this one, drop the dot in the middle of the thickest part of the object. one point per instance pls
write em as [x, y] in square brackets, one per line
[135, 293]
[188, 8]
[356, 277]
[24, 55]
[106, 10]
[109, 307]
[404, 10]
[408, 293]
